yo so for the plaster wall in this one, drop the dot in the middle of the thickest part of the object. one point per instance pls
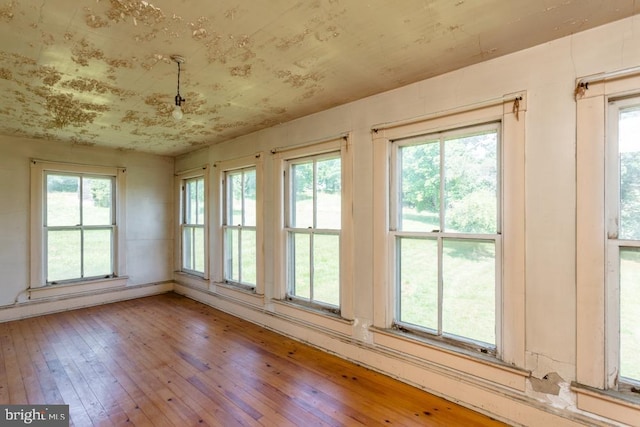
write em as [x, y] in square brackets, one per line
[149, 209]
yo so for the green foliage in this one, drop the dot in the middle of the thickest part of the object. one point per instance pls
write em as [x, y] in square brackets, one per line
[630, 195]
[476, 213]
[62, 183]
[470, 174]
[101, 192]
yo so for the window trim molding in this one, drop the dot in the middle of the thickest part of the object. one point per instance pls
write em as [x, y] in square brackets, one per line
[37, 269]
[180, 177]
[596, 376]
[510, 316]
[217, 258]
[343, 145]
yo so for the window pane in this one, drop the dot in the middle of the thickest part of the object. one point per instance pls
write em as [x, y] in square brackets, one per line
[97, 198]
[97, 253]
[328, 194]
[250, 198]
[231, 245]
[63, 255]
[194, 201]
[63, 200]
[300, 258]
[234, 198]
[302, 195]
[468, 307]
[420, 187]
[248, 257]
[326, 269]
[629, 147]
[629, 309]
[471, 183]
[418, 281]
[193, 249]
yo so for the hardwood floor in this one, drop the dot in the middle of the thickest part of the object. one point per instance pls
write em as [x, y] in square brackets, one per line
[170, 361]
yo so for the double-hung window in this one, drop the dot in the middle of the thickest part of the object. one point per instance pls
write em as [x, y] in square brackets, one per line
[445, 225]
[448, 237]
[239, 227]
[313, 224]
[76, 224]
[79, 225]
[193, 225]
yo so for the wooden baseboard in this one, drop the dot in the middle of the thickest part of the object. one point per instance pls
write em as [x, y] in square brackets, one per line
[54, 304]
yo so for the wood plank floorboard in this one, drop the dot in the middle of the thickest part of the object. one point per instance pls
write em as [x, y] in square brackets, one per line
[167, 360]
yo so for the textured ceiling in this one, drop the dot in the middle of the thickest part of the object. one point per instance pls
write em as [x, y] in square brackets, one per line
[100, 72]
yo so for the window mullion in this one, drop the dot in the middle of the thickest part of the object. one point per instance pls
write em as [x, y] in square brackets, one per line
[440, 238]
[240, 251]
[440, 283]
[311, 267]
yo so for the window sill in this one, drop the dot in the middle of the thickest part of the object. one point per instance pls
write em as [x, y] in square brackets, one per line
[621, 406]
[191, 279]
[313, 316]
[458, 361]
[52, 291]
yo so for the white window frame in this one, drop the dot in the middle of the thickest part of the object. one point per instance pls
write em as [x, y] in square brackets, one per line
[510, 111]
[283, 157]
[180, 180]
[39, 169]
[238, 227]
[597, 255]
[441, 235]
[218, 260]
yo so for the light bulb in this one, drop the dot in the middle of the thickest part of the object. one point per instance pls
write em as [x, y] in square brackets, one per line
[177, 112]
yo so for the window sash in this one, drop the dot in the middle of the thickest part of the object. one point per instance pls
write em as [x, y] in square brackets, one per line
[310, 228]
[313, 257]
[440, 235]
[189, 211]
[84, 250]
[237, 268]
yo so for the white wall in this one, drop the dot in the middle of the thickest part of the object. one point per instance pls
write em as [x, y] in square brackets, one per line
[149, 210]
[548, 73]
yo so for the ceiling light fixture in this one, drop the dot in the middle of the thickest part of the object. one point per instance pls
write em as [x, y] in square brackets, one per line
[177, 110]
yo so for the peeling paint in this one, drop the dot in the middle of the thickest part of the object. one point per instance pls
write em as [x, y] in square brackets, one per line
[549, 384]
[98, 72]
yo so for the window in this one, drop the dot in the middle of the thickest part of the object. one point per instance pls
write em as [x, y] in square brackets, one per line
[79, 225]
[239, 227]
[76, 223]
[446, 230]
[449, 237]
[193, 225]
[623, 228]
[313, 223]
[607, 245]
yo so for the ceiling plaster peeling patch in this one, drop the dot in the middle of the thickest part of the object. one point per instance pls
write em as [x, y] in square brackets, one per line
[241, 71]
[67, 112]
[49, 75]
[6, 12]
[141, 11]
[94, 21]
[83, 51]
[6, 74]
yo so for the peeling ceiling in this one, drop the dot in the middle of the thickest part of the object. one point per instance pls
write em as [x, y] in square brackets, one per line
[100, 73]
